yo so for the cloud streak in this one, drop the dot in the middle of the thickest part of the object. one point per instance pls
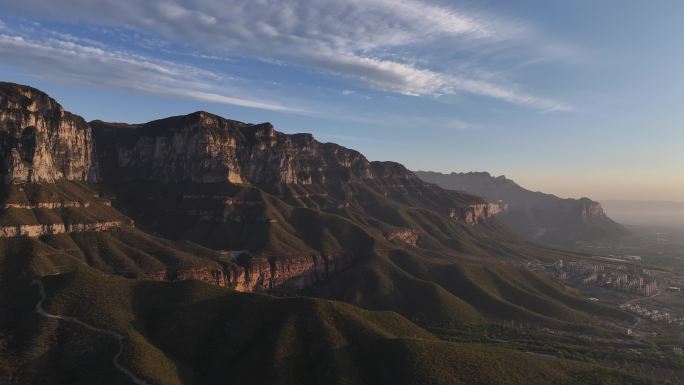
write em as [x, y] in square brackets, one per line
[368, 41]
[97, 65]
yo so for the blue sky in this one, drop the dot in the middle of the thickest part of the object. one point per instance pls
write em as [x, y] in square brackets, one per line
[576, 98]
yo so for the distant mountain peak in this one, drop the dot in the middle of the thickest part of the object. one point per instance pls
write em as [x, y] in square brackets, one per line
[533, 213]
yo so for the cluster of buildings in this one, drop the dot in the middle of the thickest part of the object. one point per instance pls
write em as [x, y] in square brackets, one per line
[653, 315]
[615, 277]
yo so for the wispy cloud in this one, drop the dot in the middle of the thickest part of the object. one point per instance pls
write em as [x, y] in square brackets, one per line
[408, 80]
[63, 57]
[368, 41]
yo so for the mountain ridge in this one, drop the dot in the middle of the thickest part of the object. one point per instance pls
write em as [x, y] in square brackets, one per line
[535, 215]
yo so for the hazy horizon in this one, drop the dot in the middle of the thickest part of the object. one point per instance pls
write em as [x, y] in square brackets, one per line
[646, 213]
[553, 97]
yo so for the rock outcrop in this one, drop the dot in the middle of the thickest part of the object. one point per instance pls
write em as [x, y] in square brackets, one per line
[406, 235]
[39, 141]
[265, 274]
[45, 205]
[477, 213]
[55, 228]
[284, 273]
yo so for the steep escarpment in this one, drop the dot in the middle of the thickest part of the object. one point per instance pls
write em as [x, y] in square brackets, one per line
[535, 215]
[44, 152]
[39, 141]
[205, 148]
[202, 148]
[240, 186]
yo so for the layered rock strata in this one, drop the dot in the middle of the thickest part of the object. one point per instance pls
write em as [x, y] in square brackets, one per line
[265, 274]
[39, 141]
[205, 148]
[47, 205]
[56, 228]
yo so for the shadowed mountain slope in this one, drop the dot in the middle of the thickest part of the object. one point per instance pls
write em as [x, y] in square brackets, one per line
[194, 333]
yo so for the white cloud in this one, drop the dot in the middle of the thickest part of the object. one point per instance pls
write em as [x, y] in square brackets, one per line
[98, 65]
[406, 79]
[357, 39]
[350, 25]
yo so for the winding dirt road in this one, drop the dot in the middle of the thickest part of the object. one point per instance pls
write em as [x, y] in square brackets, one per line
[119, 338]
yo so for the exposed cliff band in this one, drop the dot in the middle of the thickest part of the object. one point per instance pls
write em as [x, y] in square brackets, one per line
[55, 228]
[39, 141]
[264, 274]
[477, 213]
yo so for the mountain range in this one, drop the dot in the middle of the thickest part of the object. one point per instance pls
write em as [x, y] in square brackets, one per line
[532, 214]
[196, 249]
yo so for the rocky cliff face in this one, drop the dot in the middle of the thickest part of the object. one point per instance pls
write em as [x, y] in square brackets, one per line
[39, 141]
[218, 175]
[477, 213]
[42, 150]
[265, 274]
[285, 273]
[204, 148]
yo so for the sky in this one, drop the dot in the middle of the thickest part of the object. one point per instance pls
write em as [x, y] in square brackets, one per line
[576, 98]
